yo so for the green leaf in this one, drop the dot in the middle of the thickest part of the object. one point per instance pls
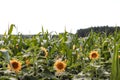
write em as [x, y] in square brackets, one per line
[6, 55]
[11, 29]
[42, 30]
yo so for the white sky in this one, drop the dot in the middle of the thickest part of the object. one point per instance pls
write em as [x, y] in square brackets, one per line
[30, 15]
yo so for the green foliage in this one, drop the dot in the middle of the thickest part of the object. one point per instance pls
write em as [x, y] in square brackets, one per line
[115, 74]
[60, 47]
[108, 30]
[11, 29]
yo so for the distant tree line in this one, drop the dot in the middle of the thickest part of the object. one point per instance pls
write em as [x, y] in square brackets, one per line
[99, 29]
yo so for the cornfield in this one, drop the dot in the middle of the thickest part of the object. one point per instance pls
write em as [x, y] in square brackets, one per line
[55, 56]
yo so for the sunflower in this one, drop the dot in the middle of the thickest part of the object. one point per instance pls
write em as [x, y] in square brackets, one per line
[15, 65]
[27, 61]
[94, 55]
[45, 51]
[60, 66]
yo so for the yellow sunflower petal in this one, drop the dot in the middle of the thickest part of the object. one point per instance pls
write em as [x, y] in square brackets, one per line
[14, 65]
[59, 66]
[94, 55]
[45, 51]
